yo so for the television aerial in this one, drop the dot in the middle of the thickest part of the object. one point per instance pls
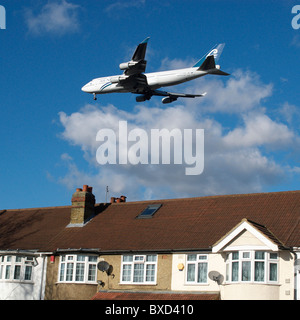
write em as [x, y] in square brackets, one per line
[216, 276]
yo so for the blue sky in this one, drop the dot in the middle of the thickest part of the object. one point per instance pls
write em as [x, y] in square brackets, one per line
[50, 49]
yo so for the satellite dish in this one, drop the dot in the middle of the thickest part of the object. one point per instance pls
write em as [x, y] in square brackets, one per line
[103, 266]
[216, 276]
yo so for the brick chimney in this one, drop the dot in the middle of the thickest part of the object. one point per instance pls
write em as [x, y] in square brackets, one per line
[83, 205]
[118, 200]
[123, 198]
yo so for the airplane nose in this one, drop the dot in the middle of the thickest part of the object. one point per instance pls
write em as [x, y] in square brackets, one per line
[84, 88]
[89, 88]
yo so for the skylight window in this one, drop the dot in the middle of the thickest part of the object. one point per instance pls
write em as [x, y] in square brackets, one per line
[149, 211]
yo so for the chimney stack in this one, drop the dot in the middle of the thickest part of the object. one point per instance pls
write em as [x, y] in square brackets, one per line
[118, 200]
[112, 200]
[83, 205]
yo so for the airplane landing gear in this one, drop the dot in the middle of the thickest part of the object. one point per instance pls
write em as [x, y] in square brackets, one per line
[95, 97]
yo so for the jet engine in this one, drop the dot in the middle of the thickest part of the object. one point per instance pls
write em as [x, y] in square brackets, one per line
[168, 100]
[117, 79]
[127, 65]
[142, 98]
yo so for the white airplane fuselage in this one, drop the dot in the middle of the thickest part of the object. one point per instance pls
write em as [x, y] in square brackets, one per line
[155, 81]
[135, 80]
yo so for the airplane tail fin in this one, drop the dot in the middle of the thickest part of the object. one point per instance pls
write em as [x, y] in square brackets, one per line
[216, 52]
[208, 62]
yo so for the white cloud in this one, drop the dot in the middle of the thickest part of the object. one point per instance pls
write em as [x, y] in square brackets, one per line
[259, 130]
[173, 64]
[291, 113]
[55, 17]
[118, 182]
[241, 92]
[236, 156]
[66, 157]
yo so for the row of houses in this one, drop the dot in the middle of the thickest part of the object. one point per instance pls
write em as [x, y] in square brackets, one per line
[207, 248]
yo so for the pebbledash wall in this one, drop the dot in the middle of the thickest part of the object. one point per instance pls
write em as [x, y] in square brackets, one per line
[22, 285]
[114, 281]
[281, 289]
[55, 290]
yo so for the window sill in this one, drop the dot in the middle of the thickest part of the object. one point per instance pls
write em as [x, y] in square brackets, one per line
[73, 282]
[136, 284]
[196, 284]
[251, 283]
[17, 281]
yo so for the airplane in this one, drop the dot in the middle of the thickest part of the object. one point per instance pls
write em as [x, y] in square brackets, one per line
[146, 85]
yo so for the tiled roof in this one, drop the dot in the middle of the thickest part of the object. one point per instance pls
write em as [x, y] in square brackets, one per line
[180, 224]
[31, 229]
[264, 230]
[123, 295]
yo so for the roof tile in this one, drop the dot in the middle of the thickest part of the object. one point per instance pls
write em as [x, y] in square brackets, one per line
[180, 224]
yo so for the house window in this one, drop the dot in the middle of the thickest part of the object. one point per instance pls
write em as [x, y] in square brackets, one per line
[197, 268]
[252, 266]
[139, 269]
[16, 268]
[78, 268]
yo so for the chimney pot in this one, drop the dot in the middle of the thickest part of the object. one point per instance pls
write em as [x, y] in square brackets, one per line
[90, 189]
[78, 190]
[119, 200]
[85, 188]
[112, 200]
[123, 198]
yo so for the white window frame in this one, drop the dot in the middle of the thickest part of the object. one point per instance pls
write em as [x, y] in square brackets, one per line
[14, 268]
[201, 258]
[75, 268]
[130, 263]
[249, 256]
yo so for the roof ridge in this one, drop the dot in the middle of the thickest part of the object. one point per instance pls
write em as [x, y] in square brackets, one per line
[256, 224]
[213, 196]
[41, 208]
[168, 200]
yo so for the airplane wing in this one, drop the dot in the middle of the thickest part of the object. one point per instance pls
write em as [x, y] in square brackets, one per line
[169, 96]
[176, 95]
[138, 64]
